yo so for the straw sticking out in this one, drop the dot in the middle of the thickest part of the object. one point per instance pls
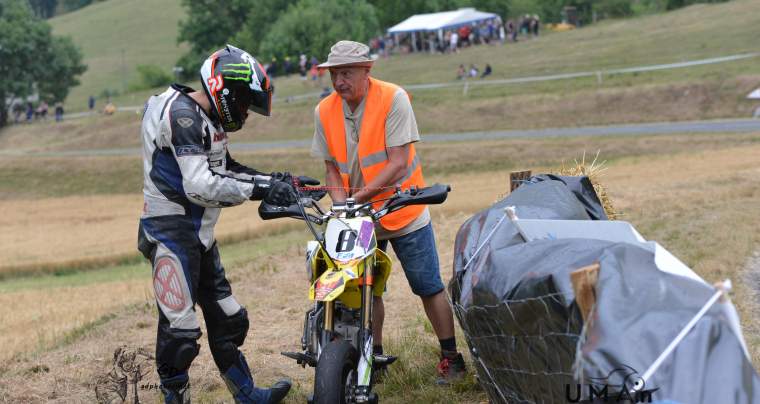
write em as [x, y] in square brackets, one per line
[593, 171]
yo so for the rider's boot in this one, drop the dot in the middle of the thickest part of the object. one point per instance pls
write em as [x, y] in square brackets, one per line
[240, 383]
[176, 389]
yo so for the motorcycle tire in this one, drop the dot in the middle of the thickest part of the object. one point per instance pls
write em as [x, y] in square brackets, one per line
[336, 373]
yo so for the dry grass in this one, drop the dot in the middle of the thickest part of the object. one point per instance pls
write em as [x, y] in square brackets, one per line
[36, 319]
[276, 305]
[39, 236]
[106, 225]
[700, 206]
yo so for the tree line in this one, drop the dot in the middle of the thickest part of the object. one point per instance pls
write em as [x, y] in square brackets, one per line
[32, 60]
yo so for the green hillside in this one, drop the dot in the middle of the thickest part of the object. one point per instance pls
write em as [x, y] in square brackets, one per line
[115, 37]
[694, 32]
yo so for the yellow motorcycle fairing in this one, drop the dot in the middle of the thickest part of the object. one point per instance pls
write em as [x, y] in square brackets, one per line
[343, 280]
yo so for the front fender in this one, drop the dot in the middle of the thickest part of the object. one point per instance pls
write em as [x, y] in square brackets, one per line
[330, 285]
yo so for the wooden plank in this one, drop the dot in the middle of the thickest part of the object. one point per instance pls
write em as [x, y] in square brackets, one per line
[584, 286]
[516, 178]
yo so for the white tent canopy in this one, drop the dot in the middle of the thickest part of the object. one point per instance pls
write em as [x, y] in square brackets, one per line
[440, 21]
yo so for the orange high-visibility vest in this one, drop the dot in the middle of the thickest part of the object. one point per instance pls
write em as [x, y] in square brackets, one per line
[372, 151]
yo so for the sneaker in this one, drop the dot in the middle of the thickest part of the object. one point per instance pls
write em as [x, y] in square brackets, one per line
[451, 368]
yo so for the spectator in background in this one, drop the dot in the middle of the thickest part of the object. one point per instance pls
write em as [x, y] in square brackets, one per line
[464, 34]
[483, 35]
[487, 71]
[58, 111]
[42, 110]
[512, 30]
[453, 42]
[91, 103]
[535, 24]
[390, 45]
[461, 74]
[287, 66]
[272, 68]
[381, 47]
[314, 72]
[524, 25]
[325, 92]
[502, 34]
[302, 66]
[18, 110]
[473, 71]
[109, 109]
[29, 111]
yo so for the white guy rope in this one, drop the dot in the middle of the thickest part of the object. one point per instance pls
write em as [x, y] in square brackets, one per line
[723, 288]
[488, 237]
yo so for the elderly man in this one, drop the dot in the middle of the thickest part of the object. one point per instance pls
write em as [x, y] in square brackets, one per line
[365, 132]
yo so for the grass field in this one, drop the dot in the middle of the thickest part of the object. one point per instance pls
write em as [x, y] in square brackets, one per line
[695, 32]
[73, 288]
[115, 37]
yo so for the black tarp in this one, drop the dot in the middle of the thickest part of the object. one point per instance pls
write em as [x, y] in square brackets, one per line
[515, 302]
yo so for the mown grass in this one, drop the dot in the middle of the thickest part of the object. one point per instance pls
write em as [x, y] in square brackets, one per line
[128, 266]
[92, 295]
[117, 36]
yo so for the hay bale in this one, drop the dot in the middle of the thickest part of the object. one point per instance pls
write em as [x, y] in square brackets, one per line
[593, 171]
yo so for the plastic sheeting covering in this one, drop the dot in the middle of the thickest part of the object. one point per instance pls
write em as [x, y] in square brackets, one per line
[515, 302]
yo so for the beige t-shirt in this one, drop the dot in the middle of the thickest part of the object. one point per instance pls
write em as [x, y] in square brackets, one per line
[400, 129]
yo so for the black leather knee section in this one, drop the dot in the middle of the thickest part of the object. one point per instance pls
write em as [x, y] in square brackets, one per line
[175, 350]
[144, 245]
[228, 334]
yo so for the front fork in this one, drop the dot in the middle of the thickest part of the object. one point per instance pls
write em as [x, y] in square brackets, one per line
[366, 358]
[364, 374]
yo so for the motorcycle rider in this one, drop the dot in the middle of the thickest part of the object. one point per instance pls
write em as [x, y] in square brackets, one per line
[189, 176]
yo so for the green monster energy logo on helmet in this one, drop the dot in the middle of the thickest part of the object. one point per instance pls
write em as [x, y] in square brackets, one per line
[237, 71]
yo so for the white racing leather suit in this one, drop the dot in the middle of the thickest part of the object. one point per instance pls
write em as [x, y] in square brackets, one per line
[188, 177]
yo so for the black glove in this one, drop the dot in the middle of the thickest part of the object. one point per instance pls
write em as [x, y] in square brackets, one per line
[261, 187]
[281, 176]
[281, 193]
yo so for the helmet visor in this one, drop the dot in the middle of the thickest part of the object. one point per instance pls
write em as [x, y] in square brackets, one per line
[261, 101]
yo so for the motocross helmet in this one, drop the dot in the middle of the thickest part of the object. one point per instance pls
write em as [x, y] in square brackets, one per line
[235, 82]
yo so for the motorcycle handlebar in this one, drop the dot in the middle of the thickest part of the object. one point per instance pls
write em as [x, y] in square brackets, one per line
[433, 195]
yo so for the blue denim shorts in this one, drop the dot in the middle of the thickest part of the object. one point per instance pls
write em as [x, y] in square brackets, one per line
[419, 257]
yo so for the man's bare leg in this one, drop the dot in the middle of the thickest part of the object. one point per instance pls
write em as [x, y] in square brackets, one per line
[378, 316]
[440, 315]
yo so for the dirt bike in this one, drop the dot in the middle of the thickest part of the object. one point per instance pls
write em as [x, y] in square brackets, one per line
[346, 269]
